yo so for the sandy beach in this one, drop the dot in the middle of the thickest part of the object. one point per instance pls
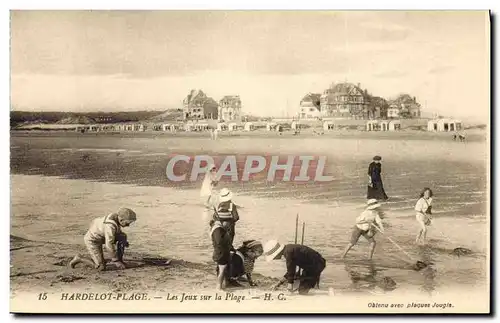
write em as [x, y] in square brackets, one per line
[55, 194]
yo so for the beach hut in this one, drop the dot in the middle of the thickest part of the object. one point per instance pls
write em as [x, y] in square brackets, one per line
[188, 127]
[166, 127]
[394, 125]
[443, 125]
[372, 125]
[200, 127]
[458, 125]
[249, 126]
[232, 126]
[384, 126]
[432, 125]
[222, 127]
[139, 127]
[107, 127]
[270, 126]
[204, 127]
[328, 125]
[446, 125]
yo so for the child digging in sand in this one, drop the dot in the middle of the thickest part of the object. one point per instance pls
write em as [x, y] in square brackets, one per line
[106, 231]
[242, 262]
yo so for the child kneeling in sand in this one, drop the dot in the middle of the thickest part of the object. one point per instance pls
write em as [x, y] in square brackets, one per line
[309, 260]
[107, 231]
[242, 262]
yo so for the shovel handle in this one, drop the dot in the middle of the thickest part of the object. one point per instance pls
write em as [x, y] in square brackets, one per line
[393, 242]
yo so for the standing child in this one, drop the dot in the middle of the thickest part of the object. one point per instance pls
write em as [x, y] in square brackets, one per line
[107, 231]
[222, 248]
[227, 212]
[424, 214]
[363, 227]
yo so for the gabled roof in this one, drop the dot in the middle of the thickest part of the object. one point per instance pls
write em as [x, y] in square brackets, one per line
[231, 99]
[346, 88]
[195, 95]
[311, 97]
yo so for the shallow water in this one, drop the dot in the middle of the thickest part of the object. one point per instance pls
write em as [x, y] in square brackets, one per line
[171, 223]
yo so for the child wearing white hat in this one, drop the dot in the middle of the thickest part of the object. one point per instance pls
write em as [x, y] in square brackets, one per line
[227, 212]
[364, 226]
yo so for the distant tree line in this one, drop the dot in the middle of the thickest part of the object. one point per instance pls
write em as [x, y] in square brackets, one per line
[20, 117]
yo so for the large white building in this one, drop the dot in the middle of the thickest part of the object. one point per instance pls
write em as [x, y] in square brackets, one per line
[230, 108]
[310, 106]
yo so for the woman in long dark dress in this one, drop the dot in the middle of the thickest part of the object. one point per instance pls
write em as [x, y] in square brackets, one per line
[375, 185]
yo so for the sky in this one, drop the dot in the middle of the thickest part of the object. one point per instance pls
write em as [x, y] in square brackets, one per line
[131, 60]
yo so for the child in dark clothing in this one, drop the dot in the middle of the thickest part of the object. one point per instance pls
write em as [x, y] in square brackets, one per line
[227, 212]
[243, 261]
[309, 260]
[222, 248]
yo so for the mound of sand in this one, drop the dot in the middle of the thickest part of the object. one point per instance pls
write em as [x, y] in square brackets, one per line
[168, 115]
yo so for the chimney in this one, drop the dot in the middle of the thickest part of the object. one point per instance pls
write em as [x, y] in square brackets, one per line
[359, 85]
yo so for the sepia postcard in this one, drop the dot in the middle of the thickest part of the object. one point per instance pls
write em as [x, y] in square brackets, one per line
[250, 162]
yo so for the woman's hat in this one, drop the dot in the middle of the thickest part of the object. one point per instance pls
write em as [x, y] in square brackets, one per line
[225, 195]
[377, 158]
[271, 249]
[372, 204]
